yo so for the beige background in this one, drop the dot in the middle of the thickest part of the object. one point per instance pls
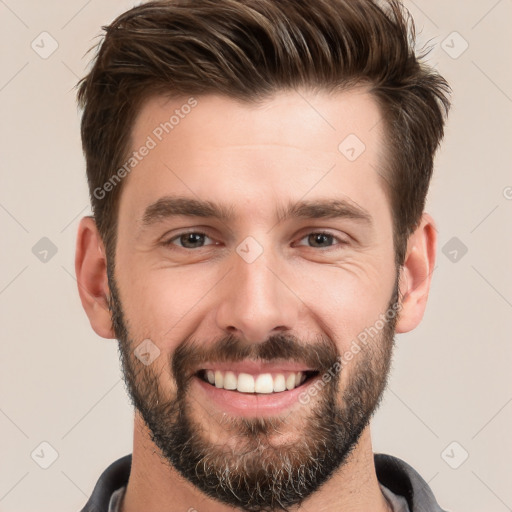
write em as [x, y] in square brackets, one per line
[61, 384]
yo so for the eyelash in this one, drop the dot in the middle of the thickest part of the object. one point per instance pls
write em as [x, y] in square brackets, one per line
[179, 235]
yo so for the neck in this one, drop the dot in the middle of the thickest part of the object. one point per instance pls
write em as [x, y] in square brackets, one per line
[154, 485]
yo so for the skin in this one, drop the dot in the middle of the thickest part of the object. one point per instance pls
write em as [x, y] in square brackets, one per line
[255, 158]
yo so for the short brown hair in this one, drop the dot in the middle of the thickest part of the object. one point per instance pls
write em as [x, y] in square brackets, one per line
[250, 49]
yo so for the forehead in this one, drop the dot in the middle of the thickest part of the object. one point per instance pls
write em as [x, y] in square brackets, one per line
[309, 120]
[294, 144]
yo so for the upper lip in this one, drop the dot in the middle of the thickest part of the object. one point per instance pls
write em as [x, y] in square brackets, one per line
[256, 367]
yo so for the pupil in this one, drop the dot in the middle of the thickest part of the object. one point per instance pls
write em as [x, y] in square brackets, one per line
[192, 238]
[320, 237]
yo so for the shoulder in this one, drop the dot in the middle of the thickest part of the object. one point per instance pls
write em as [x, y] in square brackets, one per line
[403, 480]
[114, 477]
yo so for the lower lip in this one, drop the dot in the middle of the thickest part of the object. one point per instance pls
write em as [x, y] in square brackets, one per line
[251, 404]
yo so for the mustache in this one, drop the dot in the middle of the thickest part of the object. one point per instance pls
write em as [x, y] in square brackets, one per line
[188, 357]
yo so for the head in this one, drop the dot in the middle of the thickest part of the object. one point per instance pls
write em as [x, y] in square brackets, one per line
[256, 125]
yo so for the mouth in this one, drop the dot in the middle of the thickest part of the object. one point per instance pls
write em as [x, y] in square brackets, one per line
[272, 382]
[252, 388]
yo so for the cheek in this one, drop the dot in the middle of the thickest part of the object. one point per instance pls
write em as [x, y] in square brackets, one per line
[344, 301]
[160, 303]
[168, 304]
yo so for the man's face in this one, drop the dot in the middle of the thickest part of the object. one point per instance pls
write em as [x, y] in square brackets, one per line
[257, 300]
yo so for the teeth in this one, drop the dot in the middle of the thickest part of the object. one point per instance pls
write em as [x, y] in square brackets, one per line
[245, 383]
[290, 381]
[279, 383]
[219, 379]
[264, 383]
[230, 380]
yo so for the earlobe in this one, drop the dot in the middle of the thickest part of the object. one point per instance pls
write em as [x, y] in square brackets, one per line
[91, 275]
[416, 274]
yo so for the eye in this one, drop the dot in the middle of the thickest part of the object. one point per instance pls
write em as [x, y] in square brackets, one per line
[188, 240]
[322, 239]
[196, 240]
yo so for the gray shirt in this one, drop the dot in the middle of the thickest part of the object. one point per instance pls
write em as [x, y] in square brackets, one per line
[404, 488]
[398, 503]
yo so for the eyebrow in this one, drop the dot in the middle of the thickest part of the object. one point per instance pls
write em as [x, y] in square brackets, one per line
[173, 206]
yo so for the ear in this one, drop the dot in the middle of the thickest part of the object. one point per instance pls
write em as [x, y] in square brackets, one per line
[416, 274]
[91, 275]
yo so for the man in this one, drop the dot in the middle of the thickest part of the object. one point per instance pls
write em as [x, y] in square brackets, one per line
[258, 172]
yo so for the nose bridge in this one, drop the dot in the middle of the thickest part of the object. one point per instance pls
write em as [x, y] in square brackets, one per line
[256, 302]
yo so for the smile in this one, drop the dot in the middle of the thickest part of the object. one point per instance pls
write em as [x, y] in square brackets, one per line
[264, 383]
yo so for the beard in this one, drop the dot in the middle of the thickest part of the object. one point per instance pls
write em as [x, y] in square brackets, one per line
[258, 467]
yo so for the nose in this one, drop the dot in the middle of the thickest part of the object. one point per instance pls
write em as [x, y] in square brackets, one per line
[256, 301]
